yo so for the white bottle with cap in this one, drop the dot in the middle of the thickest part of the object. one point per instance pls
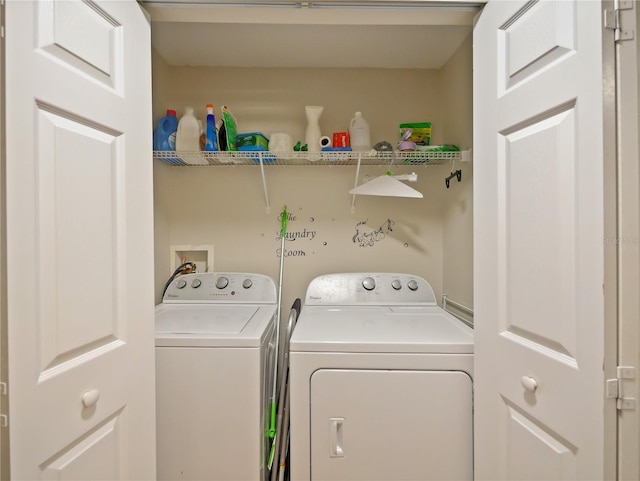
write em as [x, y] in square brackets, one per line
[188, 134]
[359, 133]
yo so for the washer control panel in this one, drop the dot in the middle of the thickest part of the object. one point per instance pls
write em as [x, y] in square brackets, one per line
[221, 287]
[369, 288]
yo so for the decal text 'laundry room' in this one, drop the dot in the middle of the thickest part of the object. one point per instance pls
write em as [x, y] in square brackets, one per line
[294, 234]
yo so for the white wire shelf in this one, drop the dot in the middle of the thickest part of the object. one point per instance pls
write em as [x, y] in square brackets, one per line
[264, 159]
[204, 159]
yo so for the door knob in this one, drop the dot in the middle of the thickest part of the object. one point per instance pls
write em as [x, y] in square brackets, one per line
[529, 383]
[89, 398]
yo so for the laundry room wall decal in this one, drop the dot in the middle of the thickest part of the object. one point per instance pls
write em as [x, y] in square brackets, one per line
[301, 234]
[366, 236]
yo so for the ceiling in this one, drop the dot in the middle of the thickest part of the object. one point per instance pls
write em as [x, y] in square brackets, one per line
[198, 44]
[406, 35]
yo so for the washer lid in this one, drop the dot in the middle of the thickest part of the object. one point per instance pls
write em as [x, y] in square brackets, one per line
[381, 329]
[206, 325]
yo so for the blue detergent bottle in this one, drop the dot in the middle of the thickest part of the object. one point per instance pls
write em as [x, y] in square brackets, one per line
[211, 142]
[164, 137]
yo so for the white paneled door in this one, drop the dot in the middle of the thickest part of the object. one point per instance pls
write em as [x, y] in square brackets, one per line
[79, 240]
[540, 104]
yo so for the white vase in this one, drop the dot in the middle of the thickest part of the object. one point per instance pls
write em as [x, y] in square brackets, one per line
[313, 133]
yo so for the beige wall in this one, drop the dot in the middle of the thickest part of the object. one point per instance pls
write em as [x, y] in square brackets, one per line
[273, 100]
[225, 205]
[458, 204]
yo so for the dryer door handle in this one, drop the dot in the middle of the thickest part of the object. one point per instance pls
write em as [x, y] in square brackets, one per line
[336, 437]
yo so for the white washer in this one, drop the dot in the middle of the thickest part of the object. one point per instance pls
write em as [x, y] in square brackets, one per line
[381, 383]
[215, 339]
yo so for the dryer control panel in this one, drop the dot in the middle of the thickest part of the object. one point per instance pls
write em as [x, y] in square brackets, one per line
[221, 287]
[349, 289]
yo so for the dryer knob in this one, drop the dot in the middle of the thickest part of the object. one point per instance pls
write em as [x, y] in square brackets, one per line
[396, 284]
[222, 282]
[196, 283]
[181, 283]
[413, 285]
[247, 283]
[368, 283]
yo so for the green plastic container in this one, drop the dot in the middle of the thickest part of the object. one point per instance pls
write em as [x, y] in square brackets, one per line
[253, 141]
[421, 132]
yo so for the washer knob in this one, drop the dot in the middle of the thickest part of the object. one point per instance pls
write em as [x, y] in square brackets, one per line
[396, 284]
[368, 283]
[247, 283]
[413, 285]
[196, 283]
[222, 282]
[181, 283]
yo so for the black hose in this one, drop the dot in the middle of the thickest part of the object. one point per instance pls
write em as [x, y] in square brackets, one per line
[178, 270]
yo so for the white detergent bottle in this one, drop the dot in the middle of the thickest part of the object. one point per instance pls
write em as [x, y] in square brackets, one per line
[188, 134]
[359, 133]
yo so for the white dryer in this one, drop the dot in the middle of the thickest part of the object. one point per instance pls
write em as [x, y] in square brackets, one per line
[381, 383]
[215, 340]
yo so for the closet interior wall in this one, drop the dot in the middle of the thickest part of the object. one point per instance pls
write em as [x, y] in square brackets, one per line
[225, 205]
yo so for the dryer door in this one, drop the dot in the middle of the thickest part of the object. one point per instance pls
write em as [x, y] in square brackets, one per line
[391, 425]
